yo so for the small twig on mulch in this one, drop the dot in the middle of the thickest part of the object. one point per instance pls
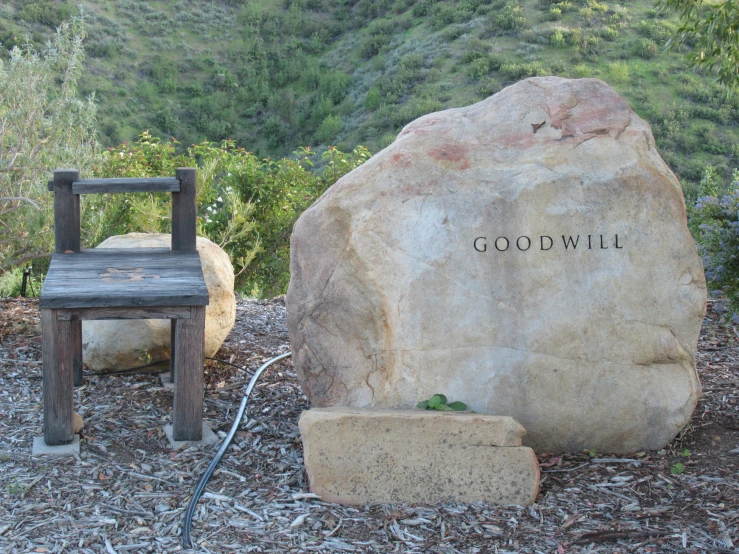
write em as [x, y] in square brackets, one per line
[602, 536]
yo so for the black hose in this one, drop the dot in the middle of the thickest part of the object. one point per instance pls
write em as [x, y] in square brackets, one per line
[200, 487]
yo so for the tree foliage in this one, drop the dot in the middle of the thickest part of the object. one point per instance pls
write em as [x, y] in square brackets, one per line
[43, 125]
[710, 29]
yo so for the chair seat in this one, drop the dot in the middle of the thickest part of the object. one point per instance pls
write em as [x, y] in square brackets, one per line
[124, 277]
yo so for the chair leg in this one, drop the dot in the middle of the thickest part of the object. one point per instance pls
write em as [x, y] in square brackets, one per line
[172, 350]
[189, 347]
[57, 365]
[77, 352]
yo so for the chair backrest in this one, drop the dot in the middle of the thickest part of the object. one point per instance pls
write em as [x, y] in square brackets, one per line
[67, 188]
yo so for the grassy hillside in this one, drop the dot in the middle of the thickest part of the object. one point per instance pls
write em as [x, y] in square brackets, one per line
[274, 75]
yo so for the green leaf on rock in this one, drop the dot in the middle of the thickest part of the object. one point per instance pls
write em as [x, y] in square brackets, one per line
[439, 402]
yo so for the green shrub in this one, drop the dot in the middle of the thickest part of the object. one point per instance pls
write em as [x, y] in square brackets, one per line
[618, 72]
[469, 56]
[715, 222]
[442, 14]
[453, 33]
[596, 7]
[423, 8]
[529, 35]
[479, 68]
[274, 131]
[581, 71]
[609, 33]
[334, 85]
[559, 68]
[516, 72]
[403, 79]
[372, 45]
[386, 140]
[488, 87]
[557, 39]
[411, 111]
[329, 128]
[565, 7]
[647, 49]
[373, 99]
[48, 13]
[658, 31]
[589, 44]
[509, 18]
[496, 61]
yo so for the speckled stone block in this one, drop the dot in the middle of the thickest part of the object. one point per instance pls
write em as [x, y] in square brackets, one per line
[364, 456]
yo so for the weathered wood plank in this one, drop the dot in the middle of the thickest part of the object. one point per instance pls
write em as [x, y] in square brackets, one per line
[66, 211]
[184, 211]
[105, 186]
[93, 262]
[172, 351]
[155, 312]
[163, 256]
[105, 278]
[58, 393]
[128, 301]
[189, 344]
[76, 351]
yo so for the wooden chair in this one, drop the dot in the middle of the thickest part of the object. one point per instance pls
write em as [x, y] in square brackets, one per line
[126, 283]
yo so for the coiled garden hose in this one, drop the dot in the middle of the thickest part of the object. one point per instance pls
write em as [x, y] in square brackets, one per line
[200, 487]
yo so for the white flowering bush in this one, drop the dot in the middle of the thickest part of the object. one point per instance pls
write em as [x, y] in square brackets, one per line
[246, 205]
[223, 216]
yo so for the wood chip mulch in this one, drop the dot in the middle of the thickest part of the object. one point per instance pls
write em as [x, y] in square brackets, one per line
[127, 491]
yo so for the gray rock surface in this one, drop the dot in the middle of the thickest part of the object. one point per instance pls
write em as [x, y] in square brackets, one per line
[527, 255]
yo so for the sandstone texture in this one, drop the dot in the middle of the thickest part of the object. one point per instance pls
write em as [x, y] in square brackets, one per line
[123, 344]
[360, 456]
[527, 255]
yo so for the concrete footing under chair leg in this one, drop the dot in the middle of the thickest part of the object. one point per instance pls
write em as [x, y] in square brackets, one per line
[209, 437]
[40, 448]
[165, 379]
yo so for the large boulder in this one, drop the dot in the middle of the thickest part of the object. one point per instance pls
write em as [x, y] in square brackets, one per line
[528, 255]
[124, 344]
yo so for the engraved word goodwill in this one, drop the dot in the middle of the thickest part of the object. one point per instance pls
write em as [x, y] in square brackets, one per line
[545, 242]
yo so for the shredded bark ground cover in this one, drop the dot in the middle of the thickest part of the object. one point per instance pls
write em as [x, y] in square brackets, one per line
[127, 491]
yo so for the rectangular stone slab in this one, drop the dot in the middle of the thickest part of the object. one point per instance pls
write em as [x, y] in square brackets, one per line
[363, 456]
